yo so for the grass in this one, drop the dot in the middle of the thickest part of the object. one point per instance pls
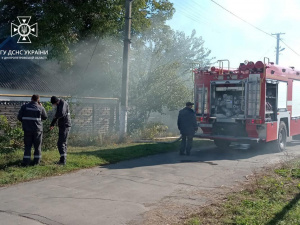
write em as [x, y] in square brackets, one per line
[11, 171]
[270, 198]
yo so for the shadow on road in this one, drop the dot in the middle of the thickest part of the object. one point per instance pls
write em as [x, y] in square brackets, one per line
[205, 154]
[293, 143]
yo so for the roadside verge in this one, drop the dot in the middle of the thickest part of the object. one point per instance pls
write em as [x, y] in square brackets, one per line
[268, 197]
[11, 171]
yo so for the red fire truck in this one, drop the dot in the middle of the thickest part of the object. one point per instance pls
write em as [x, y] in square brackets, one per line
[258, 102]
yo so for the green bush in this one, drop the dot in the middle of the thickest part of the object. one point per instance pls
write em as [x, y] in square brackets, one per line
[4, 126]
[49, 137]
[89, 139]
[11, 137]
[150, 131]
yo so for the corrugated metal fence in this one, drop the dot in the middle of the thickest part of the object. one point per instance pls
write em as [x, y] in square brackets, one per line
[89, 114]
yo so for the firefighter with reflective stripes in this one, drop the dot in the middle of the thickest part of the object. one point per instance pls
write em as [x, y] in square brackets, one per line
[31, 116]
[63, 117]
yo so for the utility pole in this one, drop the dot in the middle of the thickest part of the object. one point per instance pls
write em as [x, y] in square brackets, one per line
[277, 48]
[125, 73]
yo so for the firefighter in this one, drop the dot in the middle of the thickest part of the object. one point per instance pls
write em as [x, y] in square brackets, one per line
[187, 125]
[62, 115]
[31, 116]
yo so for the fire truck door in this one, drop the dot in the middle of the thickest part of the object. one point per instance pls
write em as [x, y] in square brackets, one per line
[282, 96]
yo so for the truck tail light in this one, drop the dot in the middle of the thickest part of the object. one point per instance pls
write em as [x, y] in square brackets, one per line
[201, 119]
[259, 121]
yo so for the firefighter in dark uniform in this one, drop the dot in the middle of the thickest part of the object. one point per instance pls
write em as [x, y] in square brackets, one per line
[63, 117]
[31, 116]
[187, 124]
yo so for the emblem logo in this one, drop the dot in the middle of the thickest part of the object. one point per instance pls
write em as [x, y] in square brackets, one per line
[24, 29]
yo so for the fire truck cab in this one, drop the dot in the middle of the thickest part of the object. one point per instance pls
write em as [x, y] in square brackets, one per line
[258, 102]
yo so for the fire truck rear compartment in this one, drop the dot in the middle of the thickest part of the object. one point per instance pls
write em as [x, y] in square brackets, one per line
[227, 101]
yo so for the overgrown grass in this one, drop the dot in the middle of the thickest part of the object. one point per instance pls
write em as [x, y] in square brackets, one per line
[11, 171]
[270, 198]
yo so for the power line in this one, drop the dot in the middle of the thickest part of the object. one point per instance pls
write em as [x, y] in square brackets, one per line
[191, 12]
[200, 10]
[267, 51]
[192, 17]
[195, 18]
[289, 47]
[257, 28]
[186, 11]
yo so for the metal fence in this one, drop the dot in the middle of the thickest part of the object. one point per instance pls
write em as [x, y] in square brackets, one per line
[89, 115]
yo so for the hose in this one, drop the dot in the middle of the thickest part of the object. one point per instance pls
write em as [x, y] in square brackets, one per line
[159, 142]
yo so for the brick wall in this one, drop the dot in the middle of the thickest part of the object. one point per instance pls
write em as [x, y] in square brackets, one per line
[86, 117]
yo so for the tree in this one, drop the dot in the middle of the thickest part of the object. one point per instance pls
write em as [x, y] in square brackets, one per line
[160, 70]
[64, 23]
[160, 74]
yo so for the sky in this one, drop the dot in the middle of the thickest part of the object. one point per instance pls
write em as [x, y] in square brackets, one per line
[230, 38]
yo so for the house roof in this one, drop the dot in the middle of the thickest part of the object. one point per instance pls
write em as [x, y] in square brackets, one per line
[23, 74]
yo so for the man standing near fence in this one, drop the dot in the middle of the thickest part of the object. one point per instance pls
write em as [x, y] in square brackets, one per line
[187, 124]
[63, 117]
[31, 116]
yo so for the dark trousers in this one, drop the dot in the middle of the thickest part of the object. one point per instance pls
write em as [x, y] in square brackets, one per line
[186, 144]
[35, 139]
[63, 142]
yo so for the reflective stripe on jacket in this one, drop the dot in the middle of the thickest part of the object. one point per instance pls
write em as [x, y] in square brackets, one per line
[31, 116]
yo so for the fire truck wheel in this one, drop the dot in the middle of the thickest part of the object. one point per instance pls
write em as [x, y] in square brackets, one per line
[282, 136]
[222, 143]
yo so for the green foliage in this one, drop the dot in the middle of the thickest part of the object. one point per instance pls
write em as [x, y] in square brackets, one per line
[269, 199]
[282, 172]
[160, 71]
[47, 106]
[12, 137]
[64, 23]
[90, 139]
[49, 137]
[294, 172]
[160, 77]
[11, 171]
[3, 123]
[4, 126]
[15, 136]
[193, 221]
[150, 131]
